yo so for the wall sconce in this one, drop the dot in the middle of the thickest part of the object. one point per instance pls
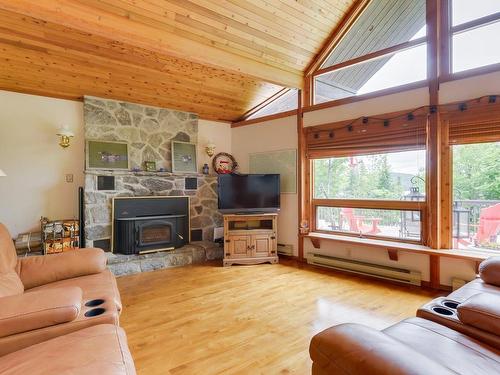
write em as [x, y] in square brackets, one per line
[210, 149]
[2, 174]
[65, 135]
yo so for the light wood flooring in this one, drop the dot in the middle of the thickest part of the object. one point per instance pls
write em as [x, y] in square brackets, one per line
[208, 319]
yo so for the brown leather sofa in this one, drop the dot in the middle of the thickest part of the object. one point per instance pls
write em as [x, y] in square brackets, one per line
[458, 334]
[59, 314]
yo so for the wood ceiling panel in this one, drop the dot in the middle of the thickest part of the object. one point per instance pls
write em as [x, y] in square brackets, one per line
[217, 58]
[46, 58]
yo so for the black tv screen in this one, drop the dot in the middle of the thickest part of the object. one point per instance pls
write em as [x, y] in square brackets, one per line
[249, 193]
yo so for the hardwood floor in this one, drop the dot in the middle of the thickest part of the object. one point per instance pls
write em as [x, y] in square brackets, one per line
[207, 319]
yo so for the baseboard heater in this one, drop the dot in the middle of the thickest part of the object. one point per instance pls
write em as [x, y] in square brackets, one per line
[376, 270]
[285, 249]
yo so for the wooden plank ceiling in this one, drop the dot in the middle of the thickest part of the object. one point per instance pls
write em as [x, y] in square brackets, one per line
[216, 58]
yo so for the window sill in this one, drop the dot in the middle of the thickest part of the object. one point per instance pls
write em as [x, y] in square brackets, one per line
[392, 247]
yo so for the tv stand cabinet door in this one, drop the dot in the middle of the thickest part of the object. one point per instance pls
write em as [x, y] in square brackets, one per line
[239, 246]
[263, 245]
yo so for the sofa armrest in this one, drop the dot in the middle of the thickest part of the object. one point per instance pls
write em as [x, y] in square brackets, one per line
[489, 271]
[39, 309]
[481, 311]
[357, 349]
[41, 270]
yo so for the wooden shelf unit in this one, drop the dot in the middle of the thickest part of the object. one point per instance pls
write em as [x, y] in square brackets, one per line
[250, 239]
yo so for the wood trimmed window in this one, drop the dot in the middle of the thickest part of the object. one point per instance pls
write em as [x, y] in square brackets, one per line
[470, 44]
[367, 58]
[473, 174]
[353, 190]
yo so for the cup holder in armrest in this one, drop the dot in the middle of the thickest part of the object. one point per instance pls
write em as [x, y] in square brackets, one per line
[451, 304]
[95, 312]
[440, 310]
[94, 302]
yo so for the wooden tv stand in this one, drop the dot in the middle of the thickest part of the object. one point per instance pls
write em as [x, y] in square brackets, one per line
[250, 239]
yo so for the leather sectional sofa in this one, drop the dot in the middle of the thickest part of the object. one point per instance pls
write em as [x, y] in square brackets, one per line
[457, 334]
[59, 314]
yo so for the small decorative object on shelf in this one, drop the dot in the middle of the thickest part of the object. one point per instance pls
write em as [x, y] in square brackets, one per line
[205, 169]
[59, 235]
[304, 227]
[150, 166]
[224, 163]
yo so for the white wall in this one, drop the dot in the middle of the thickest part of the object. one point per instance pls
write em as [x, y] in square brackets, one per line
[470, 88]
[218, 133]
[34, 162]
[370, 107]
[36, 166]
[280, 134]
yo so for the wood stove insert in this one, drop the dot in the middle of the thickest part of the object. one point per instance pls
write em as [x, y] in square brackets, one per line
[149, 224]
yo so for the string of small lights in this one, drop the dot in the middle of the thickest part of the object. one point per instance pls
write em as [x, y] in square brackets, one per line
[410, 116]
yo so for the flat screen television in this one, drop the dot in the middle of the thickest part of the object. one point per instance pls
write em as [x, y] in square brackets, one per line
[249, 193]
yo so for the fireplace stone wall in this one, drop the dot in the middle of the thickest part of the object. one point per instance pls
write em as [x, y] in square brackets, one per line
[148, 131]
[203, 200]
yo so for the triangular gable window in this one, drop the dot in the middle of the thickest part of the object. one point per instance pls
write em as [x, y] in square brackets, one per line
[384, 48]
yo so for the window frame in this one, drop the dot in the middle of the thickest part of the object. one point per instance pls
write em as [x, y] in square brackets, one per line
[314, 70]
[380, 204]
[448, 31]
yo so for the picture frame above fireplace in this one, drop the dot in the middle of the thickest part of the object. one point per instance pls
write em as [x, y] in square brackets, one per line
[107, 155]
[184, 157]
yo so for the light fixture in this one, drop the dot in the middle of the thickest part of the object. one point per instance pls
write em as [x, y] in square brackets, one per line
[65, 135]
[2, 174]
[210, 149]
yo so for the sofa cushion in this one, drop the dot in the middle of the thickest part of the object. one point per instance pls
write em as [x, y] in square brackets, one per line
[471, 288]
[8, 255]
[489, 271]
[10, 284]
[40, 270]
[481, 311]
[44, 308]
[99, 285]
[357, 349]
[449, 348]
[99, 350]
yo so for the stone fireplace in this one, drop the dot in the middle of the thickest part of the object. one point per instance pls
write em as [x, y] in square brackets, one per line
[148, 132]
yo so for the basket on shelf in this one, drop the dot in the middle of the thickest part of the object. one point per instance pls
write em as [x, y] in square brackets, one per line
[59, 235]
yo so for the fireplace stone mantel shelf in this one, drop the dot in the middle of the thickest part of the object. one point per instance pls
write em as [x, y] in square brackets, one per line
[194, 253]
[144, 173]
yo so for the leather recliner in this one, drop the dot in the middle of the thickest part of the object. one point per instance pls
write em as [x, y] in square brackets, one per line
[464, 341]
[43, 297]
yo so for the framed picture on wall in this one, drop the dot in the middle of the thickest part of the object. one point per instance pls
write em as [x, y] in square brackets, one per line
[184, 157]
[107, 155]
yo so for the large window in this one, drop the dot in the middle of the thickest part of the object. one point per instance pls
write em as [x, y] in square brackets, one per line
[385, 47]
[376, 195]
[474, 31]
[384, 176]
[476, 196]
